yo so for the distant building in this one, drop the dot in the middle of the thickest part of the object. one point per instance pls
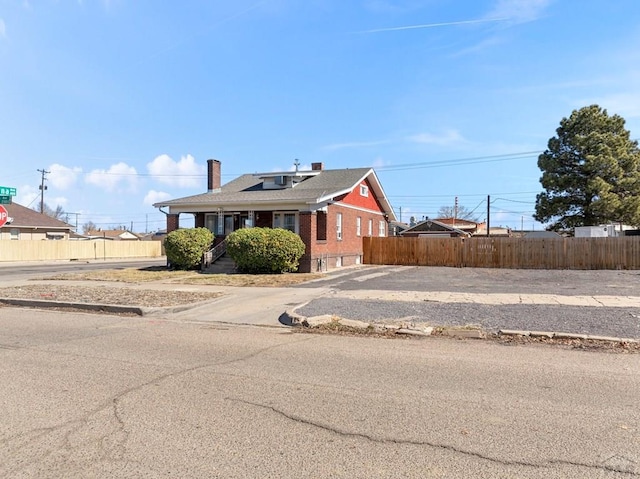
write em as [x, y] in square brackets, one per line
[28, 224]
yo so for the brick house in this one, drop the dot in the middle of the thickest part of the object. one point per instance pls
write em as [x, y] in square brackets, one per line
[331, 210]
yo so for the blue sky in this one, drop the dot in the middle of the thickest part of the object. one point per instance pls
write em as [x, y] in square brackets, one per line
[123, 101]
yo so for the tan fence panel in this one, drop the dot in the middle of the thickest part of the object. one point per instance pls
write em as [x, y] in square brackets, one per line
[520, 253]
[28, 250]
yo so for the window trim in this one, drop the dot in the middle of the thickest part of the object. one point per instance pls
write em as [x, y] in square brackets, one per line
[364, 190]
[358, 226]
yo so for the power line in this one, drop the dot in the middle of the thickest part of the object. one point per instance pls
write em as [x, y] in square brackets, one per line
[460, 161]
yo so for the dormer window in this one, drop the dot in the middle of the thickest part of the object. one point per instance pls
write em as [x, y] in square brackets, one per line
[364, 190]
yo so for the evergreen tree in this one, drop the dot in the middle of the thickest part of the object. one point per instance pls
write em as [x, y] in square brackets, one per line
[590, 173]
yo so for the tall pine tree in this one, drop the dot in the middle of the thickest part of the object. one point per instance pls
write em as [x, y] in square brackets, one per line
[590, 173]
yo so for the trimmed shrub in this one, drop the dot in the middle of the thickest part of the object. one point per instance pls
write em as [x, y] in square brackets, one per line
[265, 250]
[185, 247]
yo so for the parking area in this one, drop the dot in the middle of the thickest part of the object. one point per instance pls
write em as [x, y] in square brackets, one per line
[583, 302]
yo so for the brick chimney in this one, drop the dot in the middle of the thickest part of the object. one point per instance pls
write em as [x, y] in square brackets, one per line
[213, 175]
[316, 166]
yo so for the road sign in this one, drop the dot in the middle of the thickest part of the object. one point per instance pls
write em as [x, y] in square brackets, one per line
[4, 216]
[7, 191]
[5, 200]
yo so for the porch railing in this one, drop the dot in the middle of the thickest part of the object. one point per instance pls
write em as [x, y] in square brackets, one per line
[211, 256]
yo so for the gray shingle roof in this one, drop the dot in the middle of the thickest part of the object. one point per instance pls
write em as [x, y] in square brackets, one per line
[248, 189]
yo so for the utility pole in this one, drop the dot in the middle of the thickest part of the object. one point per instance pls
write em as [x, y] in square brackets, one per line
[488, 215]
[67, 213]
[455, 212]
[43, 187]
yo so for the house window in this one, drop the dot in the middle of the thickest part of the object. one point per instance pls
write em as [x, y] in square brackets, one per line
[339, 226]
[358, 225]
[370, 227]
[364, 190]
[15, 233]
[381, 229]
[228, 225]
[287, 221]
[211, 223]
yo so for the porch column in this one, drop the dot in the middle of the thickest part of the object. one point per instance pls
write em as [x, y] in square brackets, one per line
[308, 235]
[173, 222]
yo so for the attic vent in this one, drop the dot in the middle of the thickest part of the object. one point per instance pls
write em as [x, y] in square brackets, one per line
[280, 180]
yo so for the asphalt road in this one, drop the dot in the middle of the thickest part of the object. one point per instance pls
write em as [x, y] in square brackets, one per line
[102, 396]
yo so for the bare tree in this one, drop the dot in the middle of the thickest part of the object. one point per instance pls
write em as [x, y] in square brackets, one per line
[57, 213]
[450, 212]
[89, 226]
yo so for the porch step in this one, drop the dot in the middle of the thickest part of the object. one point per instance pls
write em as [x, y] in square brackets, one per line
[223, 265]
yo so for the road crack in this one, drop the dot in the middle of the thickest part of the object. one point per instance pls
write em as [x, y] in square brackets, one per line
[446, 447]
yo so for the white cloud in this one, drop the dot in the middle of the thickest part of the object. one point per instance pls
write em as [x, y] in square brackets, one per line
[185, 173]
[118, 177]
[627, 104]
[154, 196]
[449, 137]
[58, 201]
[518, 11]
[3, 29]
[433, 25]
[63, 177]
[27, 196]
[379, 162]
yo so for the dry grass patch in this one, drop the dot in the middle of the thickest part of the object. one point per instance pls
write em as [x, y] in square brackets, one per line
[134, 275]
[261, 280]
[111, 295]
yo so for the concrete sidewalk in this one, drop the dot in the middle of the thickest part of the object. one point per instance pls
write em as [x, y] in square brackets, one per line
[494, 298]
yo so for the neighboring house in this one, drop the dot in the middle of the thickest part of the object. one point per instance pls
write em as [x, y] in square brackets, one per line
[116, 235]
[28, 224]
[331, 210]
[396, 228]
[434, 229]
[468, 226]
[602, 231]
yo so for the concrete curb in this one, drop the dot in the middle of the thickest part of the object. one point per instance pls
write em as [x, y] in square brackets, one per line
[557, 335]
[291, 318]
[102, 308]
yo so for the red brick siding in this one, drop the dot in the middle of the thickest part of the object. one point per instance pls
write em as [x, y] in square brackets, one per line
[173, 223]
[329, 250]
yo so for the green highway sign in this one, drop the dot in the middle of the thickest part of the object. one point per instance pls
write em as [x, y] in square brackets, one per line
[7, 191]
[5, 200]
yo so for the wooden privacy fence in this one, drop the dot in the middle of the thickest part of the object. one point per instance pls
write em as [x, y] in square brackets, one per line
[517, 253]
[43, 250]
